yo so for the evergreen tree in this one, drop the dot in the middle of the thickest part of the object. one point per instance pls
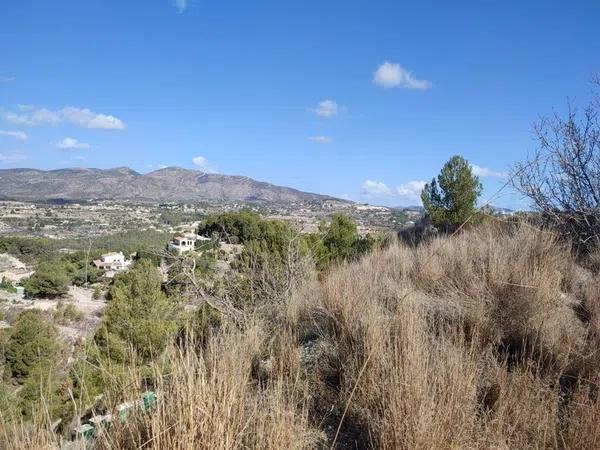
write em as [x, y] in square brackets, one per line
[51, 279]
[451, 199]
[32, 344]
[341, 238]
[139, 313]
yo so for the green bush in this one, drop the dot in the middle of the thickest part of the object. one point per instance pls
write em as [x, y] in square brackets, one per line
[32, 343]
[67, 313]
[49, 280]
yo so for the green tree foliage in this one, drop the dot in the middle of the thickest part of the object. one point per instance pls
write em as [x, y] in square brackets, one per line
[32, 344]
[340, 238]
[45, 390]
[451, 200]
[27, 249]
[49, 280]
[265, 241]
[78, 267]
[139, 314]
[233, 227]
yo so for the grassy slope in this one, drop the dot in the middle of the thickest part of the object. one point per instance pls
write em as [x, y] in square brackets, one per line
[484, 340]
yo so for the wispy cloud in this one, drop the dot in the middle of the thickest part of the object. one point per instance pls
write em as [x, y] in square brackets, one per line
[20, 135]
[181, 5]
[487, 173]
[407, 192]
[202, 163]
[391, 75]
[6, 79]
[33, 117]
[321, 139]
[81, 117]
[327, 108]
[11, 157]
[71, 144]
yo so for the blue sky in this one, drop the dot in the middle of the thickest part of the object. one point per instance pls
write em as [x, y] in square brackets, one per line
[363, 99]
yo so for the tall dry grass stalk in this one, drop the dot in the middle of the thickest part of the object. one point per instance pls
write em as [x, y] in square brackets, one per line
[488, 339]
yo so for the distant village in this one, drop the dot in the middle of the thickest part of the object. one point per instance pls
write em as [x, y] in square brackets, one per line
[85, 219]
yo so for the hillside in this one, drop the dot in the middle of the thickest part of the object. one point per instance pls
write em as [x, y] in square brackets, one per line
[487, 339]
[171, 184]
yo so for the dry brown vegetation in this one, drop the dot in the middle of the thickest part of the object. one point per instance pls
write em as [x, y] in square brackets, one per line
[487, 339]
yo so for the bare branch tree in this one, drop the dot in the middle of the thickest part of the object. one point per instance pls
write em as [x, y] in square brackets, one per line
[562, 178]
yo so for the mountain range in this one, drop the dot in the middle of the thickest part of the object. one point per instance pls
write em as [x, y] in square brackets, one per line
[171, 184]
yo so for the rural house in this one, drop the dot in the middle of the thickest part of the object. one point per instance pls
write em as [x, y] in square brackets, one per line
[183, 243]
[112, 263]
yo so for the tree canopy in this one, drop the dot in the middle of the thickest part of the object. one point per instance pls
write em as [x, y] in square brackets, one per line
[451, 199]
[50, 280]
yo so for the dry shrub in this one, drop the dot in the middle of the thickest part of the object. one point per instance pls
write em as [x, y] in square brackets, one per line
[466, 342]
[211, 401]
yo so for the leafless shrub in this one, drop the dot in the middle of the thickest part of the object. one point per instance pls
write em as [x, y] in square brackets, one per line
[562, 178]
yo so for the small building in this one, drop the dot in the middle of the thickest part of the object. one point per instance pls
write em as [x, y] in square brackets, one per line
[112, 263]
[183, 243]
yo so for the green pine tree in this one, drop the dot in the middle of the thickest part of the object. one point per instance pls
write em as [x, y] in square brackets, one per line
[451, 200]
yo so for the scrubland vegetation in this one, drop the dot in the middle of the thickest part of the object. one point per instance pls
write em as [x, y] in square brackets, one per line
[482, 334]
[485, 339]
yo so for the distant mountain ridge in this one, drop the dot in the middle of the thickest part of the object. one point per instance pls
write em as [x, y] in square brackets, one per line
[171, 184]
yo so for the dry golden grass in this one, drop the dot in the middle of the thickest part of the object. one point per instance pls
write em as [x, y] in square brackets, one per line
[488, 339]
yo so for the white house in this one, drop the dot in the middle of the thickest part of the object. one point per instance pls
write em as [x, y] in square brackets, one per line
[112, 263]
[183, 243]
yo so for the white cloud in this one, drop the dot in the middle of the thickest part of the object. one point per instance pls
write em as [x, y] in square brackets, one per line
[181, 5]
[6, 79]
[390, 75]
[33, 117]
[327, 108]
[20, 135]
[199, 161]
[81, 117]
[376, 189]
[321, 139]
[410, 190]
[202, 163]
[11, 157]
[71, 144]
[485, 172]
